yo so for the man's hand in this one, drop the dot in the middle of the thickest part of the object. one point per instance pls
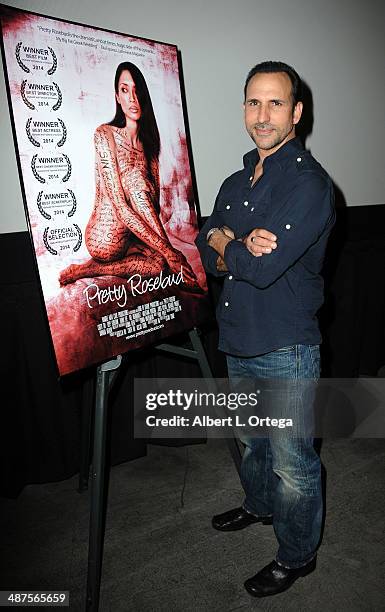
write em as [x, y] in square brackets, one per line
[221, 266]
[260, 242]
[218, 241]
[228, 232]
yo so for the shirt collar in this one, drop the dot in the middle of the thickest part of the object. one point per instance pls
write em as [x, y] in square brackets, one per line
[291, 147]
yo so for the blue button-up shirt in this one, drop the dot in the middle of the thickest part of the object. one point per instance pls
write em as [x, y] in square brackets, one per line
[271, 301]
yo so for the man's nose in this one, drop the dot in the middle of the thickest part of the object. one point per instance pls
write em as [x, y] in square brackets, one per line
[263, 113]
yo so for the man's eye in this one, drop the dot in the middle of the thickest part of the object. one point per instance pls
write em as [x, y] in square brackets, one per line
[276, 103]
[253, 102]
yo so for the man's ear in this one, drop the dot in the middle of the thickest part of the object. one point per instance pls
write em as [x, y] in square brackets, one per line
[297, 112]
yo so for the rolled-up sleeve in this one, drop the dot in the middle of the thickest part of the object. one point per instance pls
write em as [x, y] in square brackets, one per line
[306, 213]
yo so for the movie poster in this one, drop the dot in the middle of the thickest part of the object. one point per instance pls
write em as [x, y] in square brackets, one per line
[105, 172]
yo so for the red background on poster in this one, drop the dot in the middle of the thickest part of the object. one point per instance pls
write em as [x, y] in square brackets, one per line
[61, 87]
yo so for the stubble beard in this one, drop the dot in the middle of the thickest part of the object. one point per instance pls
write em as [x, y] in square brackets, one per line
[275, 139]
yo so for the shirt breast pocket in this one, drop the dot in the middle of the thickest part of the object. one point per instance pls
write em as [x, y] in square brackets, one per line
[228, 211]
[255, 216]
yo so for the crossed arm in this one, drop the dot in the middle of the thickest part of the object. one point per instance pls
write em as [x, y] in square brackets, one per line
[294, 226]
[258, 242]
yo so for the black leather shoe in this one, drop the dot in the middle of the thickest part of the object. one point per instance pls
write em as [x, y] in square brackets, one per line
[274, 578]
[236, 519]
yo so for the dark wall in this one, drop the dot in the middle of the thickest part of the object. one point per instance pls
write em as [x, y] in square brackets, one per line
[353, 317]
[41, 415]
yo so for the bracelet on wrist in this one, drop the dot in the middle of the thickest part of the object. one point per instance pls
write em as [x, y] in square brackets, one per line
[211, 232]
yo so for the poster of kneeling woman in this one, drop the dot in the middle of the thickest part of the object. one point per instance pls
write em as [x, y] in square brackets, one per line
[105, 173]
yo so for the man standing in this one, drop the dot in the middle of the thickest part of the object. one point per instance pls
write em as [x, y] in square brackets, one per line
[267, 235]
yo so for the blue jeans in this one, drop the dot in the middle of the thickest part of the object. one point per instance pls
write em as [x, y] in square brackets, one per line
[281, 475]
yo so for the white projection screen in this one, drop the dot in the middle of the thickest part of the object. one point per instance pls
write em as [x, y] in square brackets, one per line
[337, 47]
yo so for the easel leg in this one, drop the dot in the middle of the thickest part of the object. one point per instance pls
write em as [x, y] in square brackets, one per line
[98, 489]
[85, 433]
[232, 443]
[200, 353]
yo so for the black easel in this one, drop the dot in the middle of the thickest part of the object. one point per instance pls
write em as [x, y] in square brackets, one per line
[88, 401]
[105, 377]
[106, 374]
[198, 353]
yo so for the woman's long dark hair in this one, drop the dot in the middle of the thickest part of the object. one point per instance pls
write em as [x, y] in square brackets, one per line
[148, 132]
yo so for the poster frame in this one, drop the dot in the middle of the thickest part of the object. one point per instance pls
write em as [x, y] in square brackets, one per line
[7, 9]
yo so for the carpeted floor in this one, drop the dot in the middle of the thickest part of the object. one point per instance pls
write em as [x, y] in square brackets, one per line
[161, 553]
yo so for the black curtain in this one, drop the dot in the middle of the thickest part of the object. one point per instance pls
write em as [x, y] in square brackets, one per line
[41, 415]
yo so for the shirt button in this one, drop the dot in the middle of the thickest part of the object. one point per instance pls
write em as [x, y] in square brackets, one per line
[251, 178]
[245, 203]
[226, 304]
[231, 277]
[288, 226]
[299, 159]
[228, 207]
[252, 209]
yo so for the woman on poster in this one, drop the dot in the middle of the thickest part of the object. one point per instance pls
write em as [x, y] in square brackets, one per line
[124, 235]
